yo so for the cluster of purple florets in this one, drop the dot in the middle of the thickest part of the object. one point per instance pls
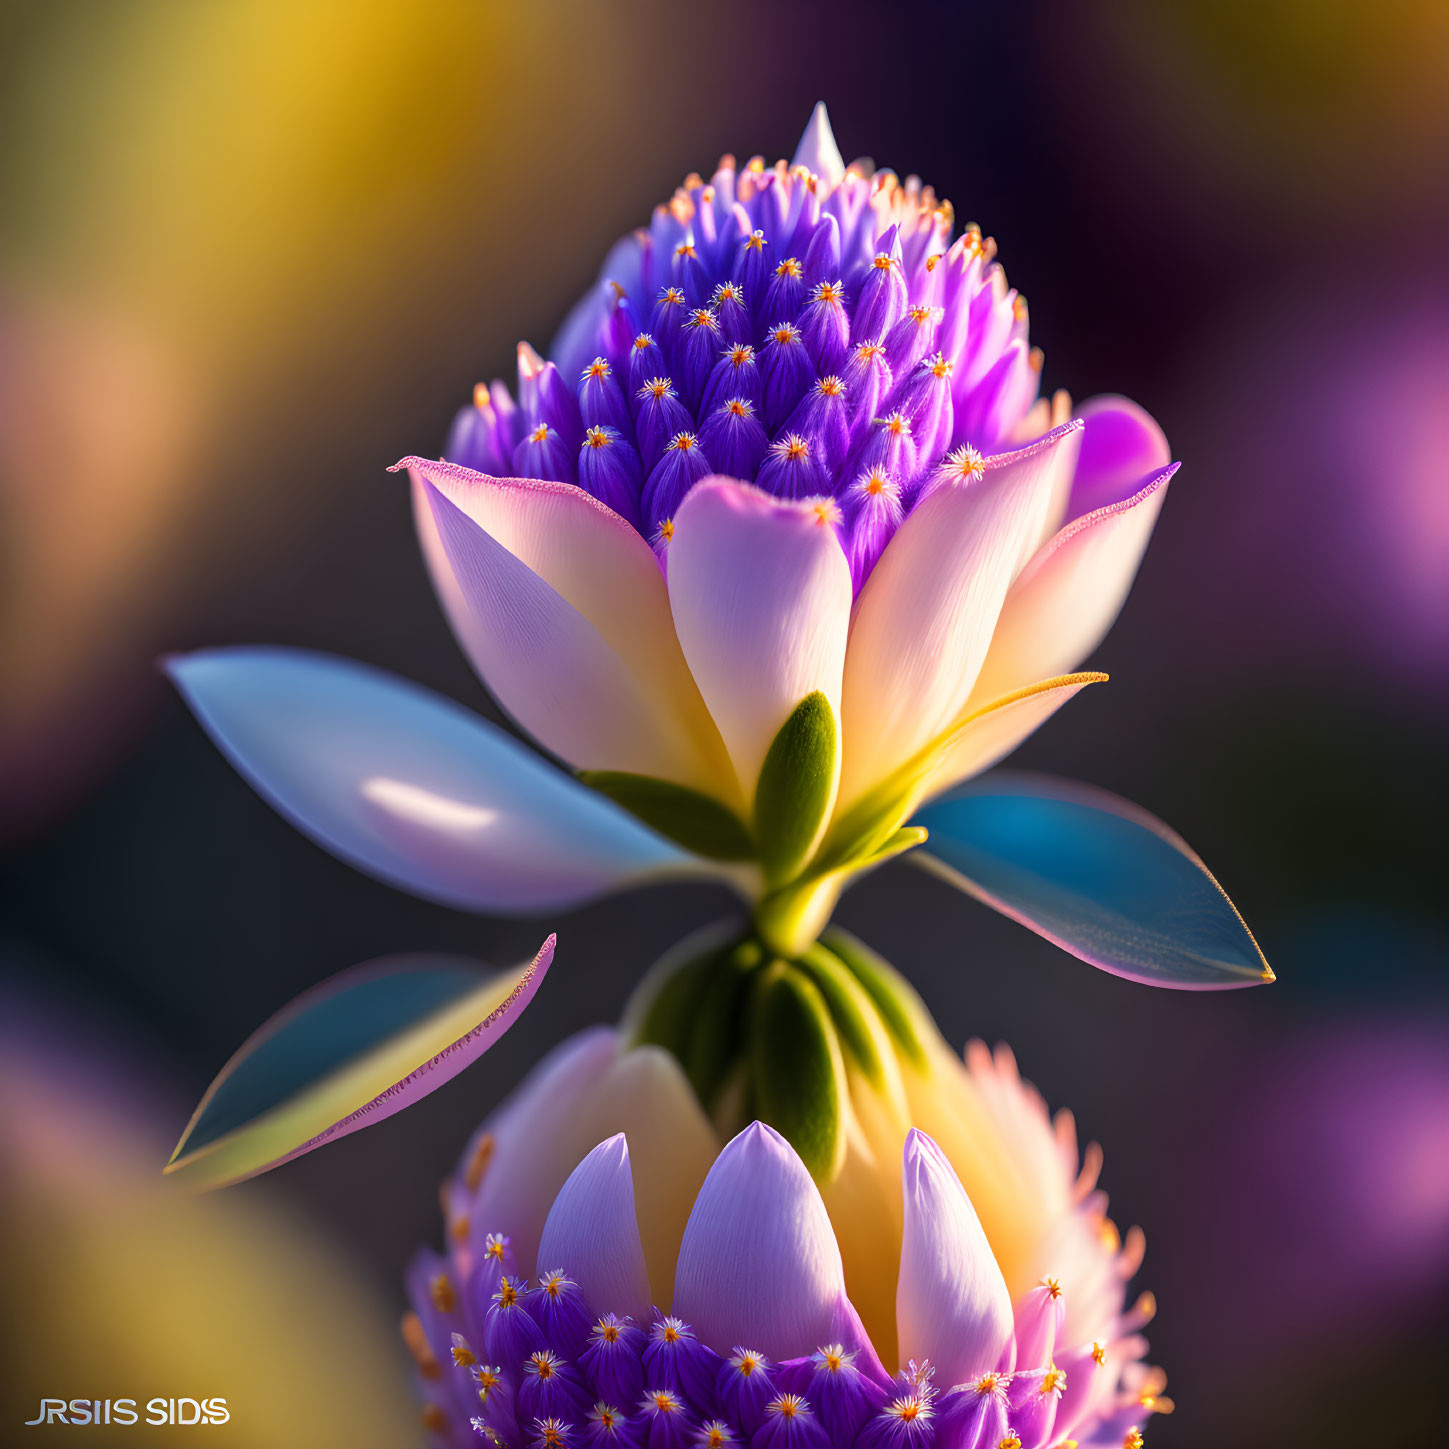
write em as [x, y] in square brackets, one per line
[780, 338]
[535, 1368]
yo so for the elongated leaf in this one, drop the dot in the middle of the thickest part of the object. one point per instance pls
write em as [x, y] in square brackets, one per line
[798, 1072]
[716, 1039]
[1097, 876]
[688, 817]
[796, 786]
[346, 1054]
[901, 1009]
[863, 1034]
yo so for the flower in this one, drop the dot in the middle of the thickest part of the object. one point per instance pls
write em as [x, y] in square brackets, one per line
[879, 556]
[661, 1289]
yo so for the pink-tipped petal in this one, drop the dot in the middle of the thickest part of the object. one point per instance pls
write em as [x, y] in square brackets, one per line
[411, 787]
[592, 1233]
[1071, 591]
[1122, 447]
[926, 614]
[546, 664]
[760, 590]
[759, 1264]
[568, 586]
[952, 1306]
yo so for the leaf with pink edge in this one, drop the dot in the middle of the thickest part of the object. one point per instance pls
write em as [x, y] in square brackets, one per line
[1097, 876]
[350, 1052]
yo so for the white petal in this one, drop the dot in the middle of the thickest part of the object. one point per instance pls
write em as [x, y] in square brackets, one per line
[646, 1096]
[593, 1235]
[761, 593]
[568, 601]
[952, 1306]
[411, 787]
[925, 617]
[817, 150]
[537, 1143]
[1072, 590]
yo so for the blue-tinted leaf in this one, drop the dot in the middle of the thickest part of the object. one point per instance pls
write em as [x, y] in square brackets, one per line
[346, 1054]
[1099, 877]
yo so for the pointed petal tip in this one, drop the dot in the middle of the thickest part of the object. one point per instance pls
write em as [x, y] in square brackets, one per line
[756, 1136]
[817, 150]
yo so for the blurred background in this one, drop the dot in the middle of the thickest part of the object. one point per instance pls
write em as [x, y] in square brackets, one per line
[251, 253]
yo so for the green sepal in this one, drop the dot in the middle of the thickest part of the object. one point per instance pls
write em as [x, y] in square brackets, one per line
[662, 1011]
[797, 1068]
[900, 1008]
[712, 1040]
[863, 1034]
[796, 785]
[688, 817]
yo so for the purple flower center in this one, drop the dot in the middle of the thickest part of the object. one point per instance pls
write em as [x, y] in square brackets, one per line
[817, 341]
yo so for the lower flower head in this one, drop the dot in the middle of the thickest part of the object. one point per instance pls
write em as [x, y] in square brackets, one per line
[754, 1318]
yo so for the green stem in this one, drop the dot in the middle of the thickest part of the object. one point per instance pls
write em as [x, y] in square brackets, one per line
[789, 920]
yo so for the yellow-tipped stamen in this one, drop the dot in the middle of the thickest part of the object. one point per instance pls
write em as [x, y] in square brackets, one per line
[441, 1291]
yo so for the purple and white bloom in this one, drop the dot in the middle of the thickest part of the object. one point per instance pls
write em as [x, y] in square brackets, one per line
[777, 546]
[666, 1287]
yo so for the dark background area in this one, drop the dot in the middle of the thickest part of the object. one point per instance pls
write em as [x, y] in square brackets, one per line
[251, 256]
